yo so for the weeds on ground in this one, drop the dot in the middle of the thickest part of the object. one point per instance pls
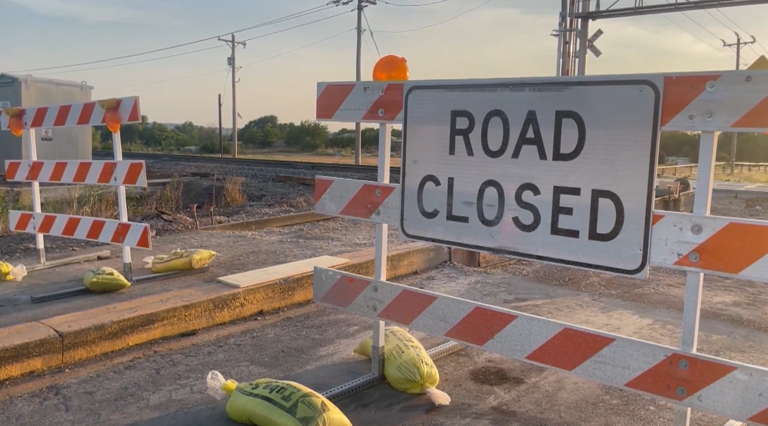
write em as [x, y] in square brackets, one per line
[169, 199]
[232, 193]
[87, 201]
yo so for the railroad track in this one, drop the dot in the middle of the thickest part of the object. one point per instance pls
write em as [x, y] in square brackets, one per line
[299, 165]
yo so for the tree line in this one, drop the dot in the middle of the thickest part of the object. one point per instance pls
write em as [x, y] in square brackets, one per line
[751, 147]
[263, 132]
[309, 135]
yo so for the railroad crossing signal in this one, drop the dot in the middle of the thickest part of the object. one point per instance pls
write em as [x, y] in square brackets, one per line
[591, 43]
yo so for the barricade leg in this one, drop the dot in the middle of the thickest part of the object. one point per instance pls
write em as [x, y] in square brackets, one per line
[380, 260]
[32, 152]
[694, 280]
[122, 205]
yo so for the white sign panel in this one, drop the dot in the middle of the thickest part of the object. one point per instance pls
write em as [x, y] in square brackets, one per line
[4, 104]
[561, 172]
[46, 135]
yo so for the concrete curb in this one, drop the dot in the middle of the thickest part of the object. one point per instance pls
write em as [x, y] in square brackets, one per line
[82, 335]
[270, 222]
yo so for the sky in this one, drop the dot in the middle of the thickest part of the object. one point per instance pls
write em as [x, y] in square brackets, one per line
[503, 38]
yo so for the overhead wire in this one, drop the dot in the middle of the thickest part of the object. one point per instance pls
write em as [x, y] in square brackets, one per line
[438, 23]
[370, 31]
[228, 68]
[298, 26]
[136, 62]
[412, 5]
[719, 50]
[298, 48]
[368, 45]
[197, 50]
[729, 28]
[295, 15]
[163, 81]
[745, 31]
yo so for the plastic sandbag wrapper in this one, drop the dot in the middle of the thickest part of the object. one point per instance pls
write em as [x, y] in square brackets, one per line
[407, 365]
[9, 272]
[105, 280]
[269, 402]
[180, 260]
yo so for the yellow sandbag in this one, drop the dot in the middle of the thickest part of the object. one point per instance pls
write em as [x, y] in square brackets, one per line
[9, 272]
[269, 402]
[180, 260]
[105, 280]
[407, 365]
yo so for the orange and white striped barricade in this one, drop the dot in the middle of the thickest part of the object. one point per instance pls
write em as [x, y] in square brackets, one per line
[503, 136]
[118, 173]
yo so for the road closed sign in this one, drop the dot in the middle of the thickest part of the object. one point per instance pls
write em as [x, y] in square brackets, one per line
[561, 172]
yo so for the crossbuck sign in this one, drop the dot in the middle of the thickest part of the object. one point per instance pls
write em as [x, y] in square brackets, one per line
[558, 172]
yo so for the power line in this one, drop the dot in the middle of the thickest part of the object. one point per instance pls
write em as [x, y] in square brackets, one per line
[370, 31]
[298, 48]
[309, 11]
[227, 70]
[135, 62]
[368, 45]
[743, 30]
[413, 5]
[729, 28]
[298, 26]
[195, 51]
[164, 81]
[699, 38]
[439, 23]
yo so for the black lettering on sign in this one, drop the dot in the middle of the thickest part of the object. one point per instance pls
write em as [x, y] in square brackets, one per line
[496, 113]
[531, 123]
[594, 205]
[558, 210]
[557, 155]
[464, 133]
[420, 196]
[533, 189]
[490, 183]
[449, 208]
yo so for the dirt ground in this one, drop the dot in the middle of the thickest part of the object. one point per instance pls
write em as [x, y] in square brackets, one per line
[163, 383]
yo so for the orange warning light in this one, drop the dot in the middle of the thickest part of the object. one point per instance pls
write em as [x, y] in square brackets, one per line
[391, 68]
[15, 120]
[113, 120]
[111, 115]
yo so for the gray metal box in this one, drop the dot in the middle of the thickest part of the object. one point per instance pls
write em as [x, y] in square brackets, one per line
[29, 91]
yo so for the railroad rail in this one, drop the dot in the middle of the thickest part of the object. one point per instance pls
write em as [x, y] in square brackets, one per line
[281, 164]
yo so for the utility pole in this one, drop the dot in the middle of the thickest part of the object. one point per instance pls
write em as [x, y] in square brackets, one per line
[233, 45]
[221, 134]
[739, 43]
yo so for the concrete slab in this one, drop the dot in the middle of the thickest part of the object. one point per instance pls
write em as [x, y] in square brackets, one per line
[265, 275]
